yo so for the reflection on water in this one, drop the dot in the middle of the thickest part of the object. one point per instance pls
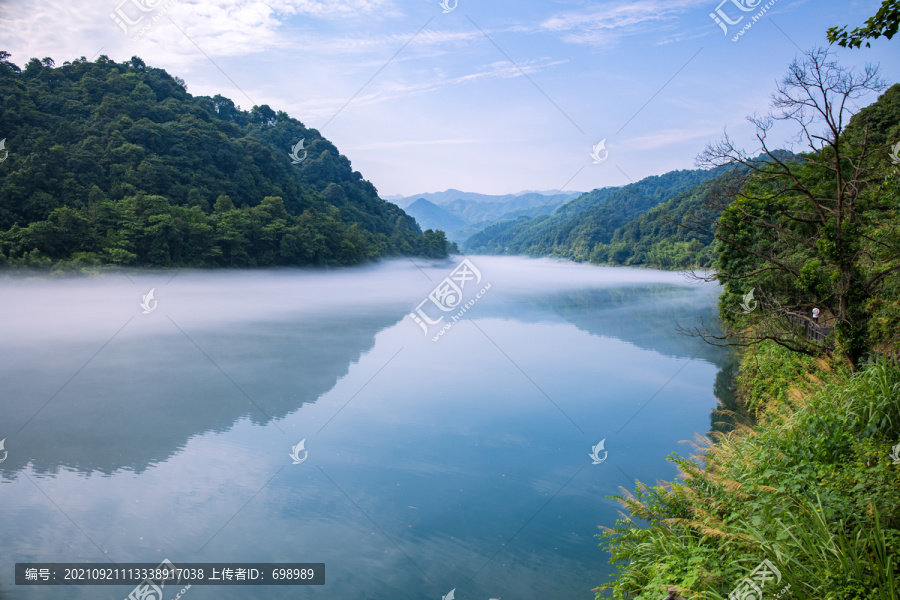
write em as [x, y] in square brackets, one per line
[647, 316]
[730, 412]
[145, 396]
[458, 464]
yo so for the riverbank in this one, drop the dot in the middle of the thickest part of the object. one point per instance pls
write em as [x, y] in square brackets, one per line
[812, 488]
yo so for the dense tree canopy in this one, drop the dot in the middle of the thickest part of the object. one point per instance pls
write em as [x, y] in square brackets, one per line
[819, 230]
[115, 163]
[581, 228]
[664, 236]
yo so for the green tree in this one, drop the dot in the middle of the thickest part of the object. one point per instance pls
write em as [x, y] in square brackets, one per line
[149, 175]
[883, 23]
[806, 231]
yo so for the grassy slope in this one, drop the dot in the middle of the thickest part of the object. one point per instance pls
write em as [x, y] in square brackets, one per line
[811, 488]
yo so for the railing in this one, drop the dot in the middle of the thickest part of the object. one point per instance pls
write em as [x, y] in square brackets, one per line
[816, 333]
[813, 331]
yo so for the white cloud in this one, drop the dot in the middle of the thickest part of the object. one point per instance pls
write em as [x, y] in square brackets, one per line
[330, 9]
[505, 69]
[391, 90]
[409, 143]
[598, 25]
[683, 36]
[668, 137]
[220, 28]
[385, 44]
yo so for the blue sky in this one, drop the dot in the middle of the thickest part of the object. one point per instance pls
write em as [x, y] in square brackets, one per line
[493, 97]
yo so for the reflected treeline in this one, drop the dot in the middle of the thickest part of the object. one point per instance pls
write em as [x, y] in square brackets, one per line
[730, 412]
[647, 316]
[144, 396]
[650, 316]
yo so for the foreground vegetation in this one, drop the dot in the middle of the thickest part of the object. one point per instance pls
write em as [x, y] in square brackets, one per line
[812, 489]
[811, 482]
[111, 163]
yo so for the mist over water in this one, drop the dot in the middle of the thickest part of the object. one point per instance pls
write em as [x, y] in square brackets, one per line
[461, 463]
[53, 308]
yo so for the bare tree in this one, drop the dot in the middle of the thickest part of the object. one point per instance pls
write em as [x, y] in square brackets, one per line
[804, 230]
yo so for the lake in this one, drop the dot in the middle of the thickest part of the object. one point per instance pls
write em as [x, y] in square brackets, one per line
[431, 462]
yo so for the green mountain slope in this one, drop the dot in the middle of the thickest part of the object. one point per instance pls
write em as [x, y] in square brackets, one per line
[462, 214]
[115, 163]
[666, 236]
[579, 226]
[464, 233]
[432, 216]
[476, 212]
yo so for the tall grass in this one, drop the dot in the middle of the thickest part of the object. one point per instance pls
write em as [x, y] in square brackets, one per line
[812, 489]
[821, 559]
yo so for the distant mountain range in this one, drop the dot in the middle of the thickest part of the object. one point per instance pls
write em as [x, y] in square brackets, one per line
[636, 224]
[653, 222]
[445, 197]
[646, 223]
[462, 214]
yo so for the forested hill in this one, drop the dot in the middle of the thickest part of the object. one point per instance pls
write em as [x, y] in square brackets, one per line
[670, 235]
[116, 163]
[588, 222]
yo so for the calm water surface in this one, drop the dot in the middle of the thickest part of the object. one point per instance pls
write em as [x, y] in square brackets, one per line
[462, 463]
